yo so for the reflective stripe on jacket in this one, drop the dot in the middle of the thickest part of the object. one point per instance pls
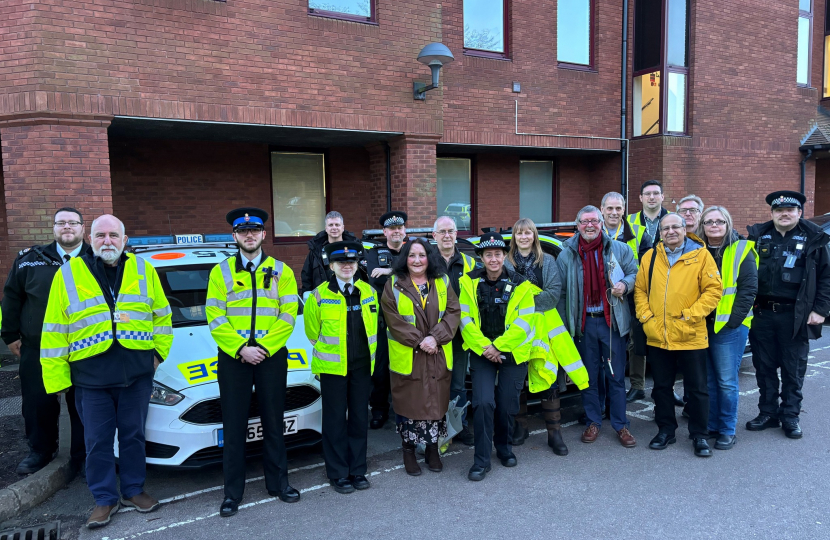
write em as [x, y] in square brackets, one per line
[326, 323]
[520, 321]
[554, 347]
[733, 256]
[241, 310]
[401, 356]
[78, 323]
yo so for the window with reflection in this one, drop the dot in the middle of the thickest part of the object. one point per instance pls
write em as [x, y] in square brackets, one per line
[573, 32]
[349, 9]
[484, 25]
[454, 191]
[826, 77]
[536, 190]
[805, 29]
[299, 185]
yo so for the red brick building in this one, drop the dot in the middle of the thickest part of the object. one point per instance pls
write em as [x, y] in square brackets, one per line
[168, 113]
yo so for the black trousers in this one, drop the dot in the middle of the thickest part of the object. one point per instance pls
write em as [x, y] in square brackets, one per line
[495, 407]
[41, 411]
[235, 382]
[773, 347]
[664, 367]
[346, 422]
[381, 383]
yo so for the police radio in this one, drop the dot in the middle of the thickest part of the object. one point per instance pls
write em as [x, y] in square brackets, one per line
[325, 258]
[508, 290]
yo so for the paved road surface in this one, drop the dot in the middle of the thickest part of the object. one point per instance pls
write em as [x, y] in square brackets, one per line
[768, 486]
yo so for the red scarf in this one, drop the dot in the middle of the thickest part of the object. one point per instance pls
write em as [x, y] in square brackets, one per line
[593, 277]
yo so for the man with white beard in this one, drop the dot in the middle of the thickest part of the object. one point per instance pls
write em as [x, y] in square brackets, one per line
[106, 329]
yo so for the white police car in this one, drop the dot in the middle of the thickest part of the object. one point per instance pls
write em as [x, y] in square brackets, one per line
[184, 424]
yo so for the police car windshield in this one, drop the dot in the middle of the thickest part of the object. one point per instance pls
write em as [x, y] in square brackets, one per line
[186, 290]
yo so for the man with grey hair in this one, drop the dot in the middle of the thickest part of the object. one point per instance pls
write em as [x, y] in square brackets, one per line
[598, 275]
[316, 266]
[445, 231]
[690, 208]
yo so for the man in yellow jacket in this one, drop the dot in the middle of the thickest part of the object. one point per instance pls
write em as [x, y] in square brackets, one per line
[106, 328]
[677, 287]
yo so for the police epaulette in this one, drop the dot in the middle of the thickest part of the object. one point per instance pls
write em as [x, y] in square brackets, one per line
[24, 251]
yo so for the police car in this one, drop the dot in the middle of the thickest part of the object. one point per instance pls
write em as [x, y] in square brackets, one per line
[184, 423]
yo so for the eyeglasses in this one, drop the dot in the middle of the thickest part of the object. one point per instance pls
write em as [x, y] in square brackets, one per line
[652, 194]
[246, 232]
[445, 232]
[718, 222]
[589, 222]
[65, 223]
[688, 211]
[673, 228]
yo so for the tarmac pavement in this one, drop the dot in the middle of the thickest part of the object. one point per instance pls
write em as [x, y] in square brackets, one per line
[768, 486]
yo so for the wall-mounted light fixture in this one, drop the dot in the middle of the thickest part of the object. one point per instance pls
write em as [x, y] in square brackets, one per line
[434, 55]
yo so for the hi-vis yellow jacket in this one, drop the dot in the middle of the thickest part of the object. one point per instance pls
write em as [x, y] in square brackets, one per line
[78, 324]
[553, 347]
[242, 310]
[520, 320]
[326, 322]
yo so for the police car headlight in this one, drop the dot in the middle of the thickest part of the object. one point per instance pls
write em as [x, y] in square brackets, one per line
[164, 396]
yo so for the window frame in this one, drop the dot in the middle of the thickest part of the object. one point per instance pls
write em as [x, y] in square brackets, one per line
[372, 19]
[470, 51]
[591, 66]
[825, 71]
[660, 112]
[296, 240]
[473, 192]
[809, 16]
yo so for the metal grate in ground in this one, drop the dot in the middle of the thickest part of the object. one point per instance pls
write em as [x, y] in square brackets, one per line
[46, 531]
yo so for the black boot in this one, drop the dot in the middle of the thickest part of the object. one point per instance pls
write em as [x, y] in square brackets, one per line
[433, 458]
[551, 409]
[520, 426]
[410, 462]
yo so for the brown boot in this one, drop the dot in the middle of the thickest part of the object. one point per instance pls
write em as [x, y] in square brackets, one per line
[553, 417]
[101, 516]
[410, 462]
[433, 458]
[520, 432]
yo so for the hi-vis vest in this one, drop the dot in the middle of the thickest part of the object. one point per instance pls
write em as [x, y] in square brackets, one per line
[520, 321]
[401, 356]
[733, 255]
[241, 309]
[637, 230]
[554, 347]
[326, 323]
[469, 263]
[78, 323]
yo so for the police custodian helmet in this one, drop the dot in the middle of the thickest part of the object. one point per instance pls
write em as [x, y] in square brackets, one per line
[344, 251]
[247, 218]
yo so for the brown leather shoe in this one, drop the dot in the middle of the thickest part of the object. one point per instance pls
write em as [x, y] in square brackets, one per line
[142, 503]
[101, 516]
[626, 438]
[590, 434]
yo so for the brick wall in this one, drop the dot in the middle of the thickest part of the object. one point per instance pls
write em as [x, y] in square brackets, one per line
[822, 199]
[497, 190]
[414, 179]
[6, 255]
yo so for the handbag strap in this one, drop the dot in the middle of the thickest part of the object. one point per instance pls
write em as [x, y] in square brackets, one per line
[651, 269]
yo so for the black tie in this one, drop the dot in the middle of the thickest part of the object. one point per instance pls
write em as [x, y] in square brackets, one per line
[250, 266]
[347, 288]
[66, 257]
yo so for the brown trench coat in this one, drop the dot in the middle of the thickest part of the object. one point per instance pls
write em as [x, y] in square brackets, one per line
[425, 394]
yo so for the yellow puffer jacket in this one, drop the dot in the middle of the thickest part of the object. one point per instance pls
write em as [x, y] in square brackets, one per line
[674, 315]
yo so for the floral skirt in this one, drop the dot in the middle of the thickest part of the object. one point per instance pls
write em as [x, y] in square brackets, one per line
[421, 431]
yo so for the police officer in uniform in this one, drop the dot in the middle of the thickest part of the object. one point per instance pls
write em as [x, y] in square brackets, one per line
[25, 297]
[343, 357]
[792, 303]
[378, 264]
[251, 308]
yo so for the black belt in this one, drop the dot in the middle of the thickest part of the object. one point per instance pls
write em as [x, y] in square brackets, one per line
[595, 314]
[775, 307]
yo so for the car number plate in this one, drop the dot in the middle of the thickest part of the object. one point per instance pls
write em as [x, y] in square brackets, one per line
[254, 433]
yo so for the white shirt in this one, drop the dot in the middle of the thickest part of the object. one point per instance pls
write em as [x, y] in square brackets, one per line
[342, 284]
[75, 252]
[256, 260]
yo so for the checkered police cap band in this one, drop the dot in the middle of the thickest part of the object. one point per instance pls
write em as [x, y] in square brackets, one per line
[394, 220]
[785, 200]
[492, 243]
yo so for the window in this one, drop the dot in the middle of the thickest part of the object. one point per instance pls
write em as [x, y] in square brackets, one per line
[484, 26]
[359, 10]
[805, 28]
[536, 190]
[299, 190]
[453, 192]
[573, 32]
[826, 85]
[660, 108]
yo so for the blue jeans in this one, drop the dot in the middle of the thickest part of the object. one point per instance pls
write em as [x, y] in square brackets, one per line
[103, 410]
[594, 347]
[725, 351]
[459, 376]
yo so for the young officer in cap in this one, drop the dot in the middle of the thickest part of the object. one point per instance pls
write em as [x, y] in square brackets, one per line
[793, 301]
[379, 267]
[251, 307]
[341, 321]
[497, 324]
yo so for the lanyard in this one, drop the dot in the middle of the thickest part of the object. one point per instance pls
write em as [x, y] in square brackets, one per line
[421, 296]
[617, 233]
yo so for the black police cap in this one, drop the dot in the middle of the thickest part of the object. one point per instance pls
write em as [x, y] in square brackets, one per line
[390, 219]
[344, 251]
[490, 240]
[247, 218]
[786, 199]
